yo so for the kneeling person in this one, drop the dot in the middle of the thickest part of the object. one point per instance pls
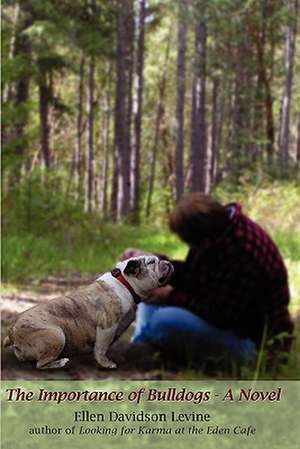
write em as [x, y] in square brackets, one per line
[228, 297]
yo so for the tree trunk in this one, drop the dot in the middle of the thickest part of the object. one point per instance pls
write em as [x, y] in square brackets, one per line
[129, 69]
[198, 156]
[270, 131]
[223, 107]
[19, 46]
[77, 151]
[89, 171]
[241, 137]
[298, 140]
[139, 78]
[214, 130]
[121, 189]
[266, 96]
[115, 181]
[22, 94]
[44, 99]
[284, 132]
[158, 120]
[106, 146]
[181, 51]
[8, 88]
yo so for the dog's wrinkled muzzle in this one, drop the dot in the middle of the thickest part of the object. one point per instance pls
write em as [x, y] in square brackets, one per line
[166, 270]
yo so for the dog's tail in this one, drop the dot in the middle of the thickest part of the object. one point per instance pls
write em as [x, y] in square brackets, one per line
[8, 340]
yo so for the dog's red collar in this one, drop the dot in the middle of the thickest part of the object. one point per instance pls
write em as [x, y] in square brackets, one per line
[116, 273]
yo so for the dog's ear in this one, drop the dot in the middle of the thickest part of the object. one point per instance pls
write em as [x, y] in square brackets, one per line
[132, 268]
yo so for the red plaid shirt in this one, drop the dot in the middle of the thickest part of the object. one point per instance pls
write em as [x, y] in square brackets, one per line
[239, 283]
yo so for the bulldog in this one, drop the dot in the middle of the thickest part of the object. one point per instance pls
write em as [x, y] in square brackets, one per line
[88, 319]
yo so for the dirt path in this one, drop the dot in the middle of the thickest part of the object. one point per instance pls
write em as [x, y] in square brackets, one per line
[16, 300]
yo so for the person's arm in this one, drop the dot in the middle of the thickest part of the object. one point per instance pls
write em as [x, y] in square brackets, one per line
[168, 296]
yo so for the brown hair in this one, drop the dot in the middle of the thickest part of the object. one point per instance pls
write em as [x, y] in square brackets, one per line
[197, 217]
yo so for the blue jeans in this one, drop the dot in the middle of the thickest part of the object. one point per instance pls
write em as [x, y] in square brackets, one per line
[180, 332]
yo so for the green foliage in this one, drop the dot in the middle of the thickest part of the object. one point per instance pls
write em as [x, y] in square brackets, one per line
[46, 38]
[289, 241]
[40, 220]
[45, 232]
[272, 203]
[73, 24]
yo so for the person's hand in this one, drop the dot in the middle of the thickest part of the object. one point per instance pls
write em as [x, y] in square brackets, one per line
[133, 252]
[161, 293]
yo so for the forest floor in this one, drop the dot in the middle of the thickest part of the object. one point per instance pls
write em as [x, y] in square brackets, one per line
[15, 299]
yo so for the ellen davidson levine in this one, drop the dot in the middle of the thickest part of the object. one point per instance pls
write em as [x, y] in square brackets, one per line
[112, 416]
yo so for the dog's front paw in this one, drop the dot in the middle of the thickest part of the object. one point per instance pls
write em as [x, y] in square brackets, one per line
[105, 362]
[110, 364]
[63, 362]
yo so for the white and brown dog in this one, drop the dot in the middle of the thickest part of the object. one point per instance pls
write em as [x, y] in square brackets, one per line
[88, 319]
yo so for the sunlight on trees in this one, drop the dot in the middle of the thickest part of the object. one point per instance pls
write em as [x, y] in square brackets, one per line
[133, 102]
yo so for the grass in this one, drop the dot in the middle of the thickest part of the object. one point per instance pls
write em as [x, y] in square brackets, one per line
[43, 235]
[26, 255]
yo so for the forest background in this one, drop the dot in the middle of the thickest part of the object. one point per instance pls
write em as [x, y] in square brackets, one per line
[112, 110]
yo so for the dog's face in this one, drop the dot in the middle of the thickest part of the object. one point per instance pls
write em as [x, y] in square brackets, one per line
[145, 273]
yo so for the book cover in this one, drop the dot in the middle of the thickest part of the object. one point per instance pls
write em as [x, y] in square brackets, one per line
[150, 224]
